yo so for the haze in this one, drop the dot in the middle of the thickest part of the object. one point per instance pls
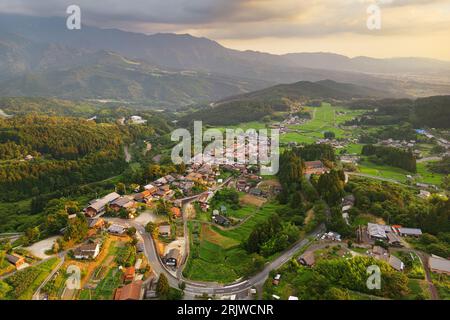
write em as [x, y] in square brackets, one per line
[409, 28]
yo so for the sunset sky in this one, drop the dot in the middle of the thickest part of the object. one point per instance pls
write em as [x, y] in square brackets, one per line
[409, 27]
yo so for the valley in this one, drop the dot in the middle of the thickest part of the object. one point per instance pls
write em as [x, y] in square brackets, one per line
[94, 204]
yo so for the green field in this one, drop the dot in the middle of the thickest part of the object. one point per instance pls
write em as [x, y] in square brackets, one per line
[325, 118]
[216, 254]
[424, 175]
[383, 171]
[24, 283]
[427, 176]
[105, 288]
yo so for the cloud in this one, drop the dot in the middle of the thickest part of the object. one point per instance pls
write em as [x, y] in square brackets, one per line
[241, 20]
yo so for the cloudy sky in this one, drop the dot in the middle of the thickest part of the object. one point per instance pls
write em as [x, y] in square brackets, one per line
[408, 27]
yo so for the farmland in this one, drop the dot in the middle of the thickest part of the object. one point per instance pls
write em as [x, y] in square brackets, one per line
[216, 254]
[23, 284]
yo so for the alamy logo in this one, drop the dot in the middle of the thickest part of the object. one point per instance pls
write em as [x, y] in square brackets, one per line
[374, 280]
[251, 147]
[73, 22]
[73, 282]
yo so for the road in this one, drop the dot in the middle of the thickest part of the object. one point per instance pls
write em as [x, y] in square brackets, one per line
[429, 159]
[198, 288]
[37, 293]
[372, 177]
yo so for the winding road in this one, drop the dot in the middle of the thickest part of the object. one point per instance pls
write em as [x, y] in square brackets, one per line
[196, 288]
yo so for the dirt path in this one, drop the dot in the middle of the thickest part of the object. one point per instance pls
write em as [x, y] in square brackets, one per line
[127, 154]
[424, 258]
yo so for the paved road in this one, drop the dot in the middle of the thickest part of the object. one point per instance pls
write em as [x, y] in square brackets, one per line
[372, 177]
[37, 293]
[198, 288]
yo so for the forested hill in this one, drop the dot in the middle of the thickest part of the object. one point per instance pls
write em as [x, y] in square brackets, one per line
[255, 105]
[433, 112]
[309, 90]
[41, 154]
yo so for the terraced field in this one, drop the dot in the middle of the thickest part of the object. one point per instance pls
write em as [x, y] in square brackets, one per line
[216, 254]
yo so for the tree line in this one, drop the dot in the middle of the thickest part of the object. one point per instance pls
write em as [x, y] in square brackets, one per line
[391, 156]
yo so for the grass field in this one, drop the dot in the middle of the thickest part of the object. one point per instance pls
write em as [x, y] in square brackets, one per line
[216, 254]
[427, 176]
[105, 288]
[418, 290]
[383, 171]
[326, 118]
[423, 175]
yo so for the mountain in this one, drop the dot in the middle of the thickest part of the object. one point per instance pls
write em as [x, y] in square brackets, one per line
[107, 75]
[310, 90]
[369, 65]
[418, 77]
[258, 104]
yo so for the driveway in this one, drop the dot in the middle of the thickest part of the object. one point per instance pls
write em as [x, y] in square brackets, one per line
[38, 249]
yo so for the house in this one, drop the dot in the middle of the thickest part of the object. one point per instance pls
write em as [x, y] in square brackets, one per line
[98, 206]
[377, 231]
[379, 251]
[394, 240]
[424, 194]
[87, 251]
[16, 260]
[315, 167]
[150, 188]
[410, 232]
[144, 196]
[396, 263]
[221, 220]
[164, 230]
[117, 229]
[129, 274]
[176, 212]
[172, 258]
[137, 120]
[132, 291]
[439, 265]
[307, 259]
[332, 236]
[256, 192]
[96, 223]
[276, 279]
[160, 182]
[123, 203]
[169, 178]
[195, 177]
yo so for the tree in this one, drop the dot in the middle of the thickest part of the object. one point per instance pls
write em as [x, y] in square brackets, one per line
[32, 235]
[131, 231]
[163, 207]
[2, 256]
[162, 286]
[329, 135]
[76, 229]
[150, 227]
[331, 187]
[4, 290]
[123, 213]
[121, 189]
